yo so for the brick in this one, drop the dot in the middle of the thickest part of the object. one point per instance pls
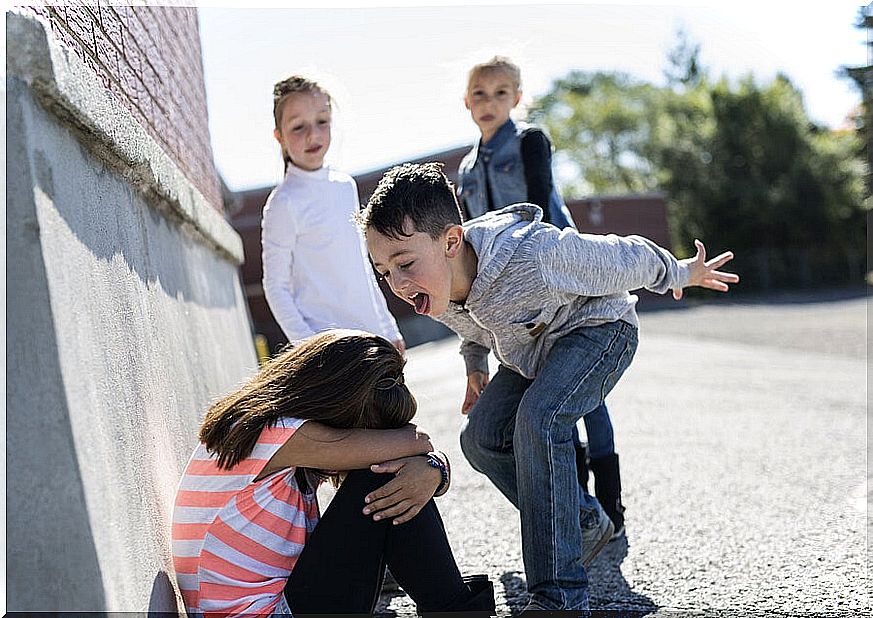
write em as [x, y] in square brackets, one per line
[42, 11]
[137, 35]
[63, 35]
[80, 26]
[151, 20]
[129, 80]
[150, 58]
[112, 26]
[105, 51]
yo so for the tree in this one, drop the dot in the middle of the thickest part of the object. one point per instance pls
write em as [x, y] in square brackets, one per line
[742, 164]
[599, 123]
[683, 62]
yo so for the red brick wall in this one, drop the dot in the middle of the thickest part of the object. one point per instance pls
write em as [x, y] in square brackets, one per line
[149, 58]
[645, 215]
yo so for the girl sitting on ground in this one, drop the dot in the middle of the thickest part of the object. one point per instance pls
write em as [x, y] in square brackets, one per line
[247, 535]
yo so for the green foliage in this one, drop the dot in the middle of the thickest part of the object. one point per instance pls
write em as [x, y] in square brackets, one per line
[741, 163]
[599, 123]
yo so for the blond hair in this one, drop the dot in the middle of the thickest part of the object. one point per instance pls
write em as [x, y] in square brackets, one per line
[496, 64]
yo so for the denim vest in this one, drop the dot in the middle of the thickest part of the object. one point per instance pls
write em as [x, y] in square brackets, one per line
[500, 159]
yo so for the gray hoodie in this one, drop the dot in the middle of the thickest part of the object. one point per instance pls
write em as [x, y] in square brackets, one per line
[536, 283]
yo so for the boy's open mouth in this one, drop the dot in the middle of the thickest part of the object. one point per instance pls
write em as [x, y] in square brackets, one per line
[422, 303]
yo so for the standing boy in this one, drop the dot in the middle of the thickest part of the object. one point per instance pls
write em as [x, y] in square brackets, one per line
[553, 305]
[511, 162]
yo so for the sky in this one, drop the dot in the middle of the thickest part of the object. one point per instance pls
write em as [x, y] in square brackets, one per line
[397, 73]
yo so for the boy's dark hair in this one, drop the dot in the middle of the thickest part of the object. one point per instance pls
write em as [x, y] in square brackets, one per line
[419, 191]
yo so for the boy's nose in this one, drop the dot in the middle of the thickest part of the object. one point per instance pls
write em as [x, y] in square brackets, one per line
[397, 284]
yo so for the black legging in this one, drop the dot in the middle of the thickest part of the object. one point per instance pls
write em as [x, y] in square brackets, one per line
[341, 566]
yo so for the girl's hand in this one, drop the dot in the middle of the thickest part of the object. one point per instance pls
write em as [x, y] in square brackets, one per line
[414, 484]
[704, 273]
[476, 383]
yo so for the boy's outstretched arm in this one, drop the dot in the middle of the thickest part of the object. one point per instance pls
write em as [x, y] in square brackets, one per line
[704, 273]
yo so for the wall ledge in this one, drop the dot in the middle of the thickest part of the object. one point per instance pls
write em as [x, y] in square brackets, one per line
[67, 88]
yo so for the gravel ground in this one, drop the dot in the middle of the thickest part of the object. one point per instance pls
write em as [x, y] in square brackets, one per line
[742, 432]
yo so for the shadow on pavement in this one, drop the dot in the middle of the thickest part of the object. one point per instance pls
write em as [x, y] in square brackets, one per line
[610, 595]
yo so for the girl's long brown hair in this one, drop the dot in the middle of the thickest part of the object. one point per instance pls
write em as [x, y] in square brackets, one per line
[344, 379]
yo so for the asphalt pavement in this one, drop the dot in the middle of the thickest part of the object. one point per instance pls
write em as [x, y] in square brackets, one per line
[741, 428]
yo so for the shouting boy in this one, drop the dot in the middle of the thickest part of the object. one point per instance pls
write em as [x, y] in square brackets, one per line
[554, 307]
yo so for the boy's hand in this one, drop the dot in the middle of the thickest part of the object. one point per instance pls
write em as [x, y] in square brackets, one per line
[476, 383]
[401, 346]
[704, 274]
[415, 482]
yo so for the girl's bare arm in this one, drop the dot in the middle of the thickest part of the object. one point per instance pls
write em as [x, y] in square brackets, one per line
[315, 445]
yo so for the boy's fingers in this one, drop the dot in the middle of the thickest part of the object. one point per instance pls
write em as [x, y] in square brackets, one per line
[701, 250]
[715, 285]
[677, 294]
[715, 262]
[722, 276]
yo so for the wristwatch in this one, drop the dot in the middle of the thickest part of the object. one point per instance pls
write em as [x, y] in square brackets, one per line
[441, 464]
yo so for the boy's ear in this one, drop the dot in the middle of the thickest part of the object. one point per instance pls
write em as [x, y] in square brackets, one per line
[466, 101]
[517, 97]
[454, 239]
[278, 137]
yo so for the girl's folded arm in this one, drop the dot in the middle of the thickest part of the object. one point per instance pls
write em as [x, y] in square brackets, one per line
[315, 445]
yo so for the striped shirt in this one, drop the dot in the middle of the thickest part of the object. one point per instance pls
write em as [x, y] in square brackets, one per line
[236, 541]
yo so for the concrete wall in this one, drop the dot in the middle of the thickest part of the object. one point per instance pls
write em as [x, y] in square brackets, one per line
[125, 317]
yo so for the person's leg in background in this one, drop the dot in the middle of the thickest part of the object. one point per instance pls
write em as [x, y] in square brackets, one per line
[602, 461]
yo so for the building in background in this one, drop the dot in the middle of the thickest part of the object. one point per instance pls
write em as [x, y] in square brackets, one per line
[125, 316]
[621, 214]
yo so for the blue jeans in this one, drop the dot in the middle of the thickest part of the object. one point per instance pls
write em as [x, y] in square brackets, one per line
[520, 434]
[598, 428]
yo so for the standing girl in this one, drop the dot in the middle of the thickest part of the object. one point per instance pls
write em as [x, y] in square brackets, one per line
[247, 537]
[316, 272]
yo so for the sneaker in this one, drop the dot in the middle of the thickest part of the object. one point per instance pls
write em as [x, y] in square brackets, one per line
[535, 610]
[618, 534]
[595, 536]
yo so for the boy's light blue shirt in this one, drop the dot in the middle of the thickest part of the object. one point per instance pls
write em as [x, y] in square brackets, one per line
[536, 283]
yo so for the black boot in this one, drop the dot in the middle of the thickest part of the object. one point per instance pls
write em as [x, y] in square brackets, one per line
[480, 603]
[582, 465]
[607, 489]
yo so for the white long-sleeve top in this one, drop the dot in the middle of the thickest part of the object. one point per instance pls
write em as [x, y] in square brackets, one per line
[316, 271]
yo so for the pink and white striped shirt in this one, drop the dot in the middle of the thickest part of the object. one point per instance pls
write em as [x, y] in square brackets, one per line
[236, 541]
